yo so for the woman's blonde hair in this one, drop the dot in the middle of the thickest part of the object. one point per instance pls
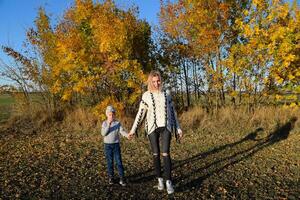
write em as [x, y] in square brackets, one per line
[149, 82]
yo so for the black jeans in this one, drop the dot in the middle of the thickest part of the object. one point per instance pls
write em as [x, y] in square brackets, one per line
[163, 135]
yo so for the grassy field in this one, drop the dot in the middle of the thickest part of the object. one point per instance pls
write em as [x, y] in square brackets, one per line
[9, 105]
[231, 156]
[6, 102]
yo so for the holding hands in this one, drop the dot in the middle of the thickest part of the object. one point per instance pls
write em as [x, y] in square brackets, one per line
[130, 135]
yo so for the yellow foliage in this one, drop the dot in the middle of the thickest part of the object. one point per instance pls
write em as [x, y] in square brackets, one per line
[291, 97]
[56, 87]
[278, 97]
[233, 94]
[293, 105]
[291, 76]
[66, 95]
[99, 110]
[280, 80]
[93, 51]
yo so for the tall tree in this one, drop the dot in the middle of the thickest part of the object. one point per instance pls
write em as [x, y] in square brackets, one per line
[95, 55]
[207, 28]
[266, 58]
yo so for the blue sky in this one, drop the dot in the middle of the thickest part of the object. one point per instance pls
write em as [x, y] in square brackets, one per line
[18, 15]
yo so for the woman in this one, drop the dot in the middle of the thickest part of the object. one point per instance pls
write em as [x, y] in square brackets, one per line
[161, 120]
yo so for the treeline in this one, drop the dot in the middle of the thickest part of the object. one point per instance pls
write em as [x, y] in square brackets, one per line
[210, 52]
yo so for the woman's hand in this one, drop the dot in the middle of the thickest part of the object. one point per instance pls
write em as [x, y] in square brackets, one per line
[180, 134]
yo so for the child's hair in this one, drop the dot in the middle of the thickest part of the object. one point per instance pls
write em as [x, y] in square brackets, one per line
[110, 109]
[152, 74]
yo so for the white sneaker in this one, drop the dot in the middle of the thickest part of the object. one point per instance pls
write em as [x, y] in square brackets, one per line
[122, 183]
[170, 188]
[160, 184]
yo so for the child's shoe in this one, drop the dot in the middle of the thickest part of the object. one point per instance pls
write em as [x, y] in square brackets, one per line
[110, 181]
[122, 182]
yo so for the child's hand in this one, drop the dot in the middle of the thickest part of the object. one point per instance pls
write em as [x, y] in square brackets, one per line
[129, 137]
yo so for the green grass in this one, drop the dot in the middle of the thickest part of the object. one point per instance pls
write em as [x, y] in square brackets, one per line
[234, 162]
[6, 99]
[6, 102]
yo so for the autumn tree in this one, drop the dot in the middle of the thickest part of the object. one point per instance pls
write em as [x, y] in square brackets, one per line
[246, 49]
[102, 53]
[16, 73]
[206, 27]
[266, 58]
[97, 54]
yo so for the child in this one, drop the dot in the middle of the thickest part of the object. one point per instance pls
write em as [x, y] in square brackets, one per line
[110, 130]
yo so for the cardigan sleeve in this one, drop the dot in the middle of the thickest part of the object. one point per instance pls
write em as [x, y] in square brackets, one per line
[143, 107]
[174, 113]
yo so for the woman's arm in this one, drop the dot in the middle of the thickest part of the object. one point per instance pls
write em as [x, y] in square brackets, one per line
[143, 107]
[178, 129]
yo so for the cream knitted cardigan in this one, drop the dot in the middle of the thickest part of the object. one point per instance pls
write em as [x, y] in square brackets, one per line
[159, 110]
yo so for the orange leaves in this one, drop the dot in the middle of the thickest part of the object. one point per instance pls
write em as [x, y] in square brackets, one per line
[202, 28]
[95, 51]
[269, 45]
[200, 22]
[67, 94]
[83, 9]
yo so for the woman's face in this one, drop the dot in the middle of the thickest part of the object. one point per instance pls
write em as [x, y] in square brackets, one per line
[156, 82]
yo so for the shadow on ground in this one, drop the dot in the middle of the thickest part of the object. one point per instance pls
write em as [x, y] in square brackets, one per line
[205, 164]
[68, 175]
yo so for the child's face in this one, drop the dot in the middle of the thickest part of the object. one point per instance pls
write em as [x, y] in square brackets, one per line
[110, 115]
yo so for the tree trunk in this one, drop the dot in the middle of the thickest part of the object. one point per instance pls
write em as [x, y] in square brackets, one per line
[185, 71]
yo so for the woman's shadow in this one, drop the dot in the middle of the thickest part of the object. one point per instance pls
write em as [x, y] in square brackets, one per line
[217, 159]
